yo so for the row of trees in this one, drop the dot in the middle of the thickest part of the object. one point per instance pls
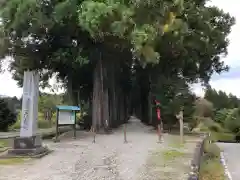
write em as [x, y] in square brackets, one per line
[116, 55]
[222, 108]
[222, 100]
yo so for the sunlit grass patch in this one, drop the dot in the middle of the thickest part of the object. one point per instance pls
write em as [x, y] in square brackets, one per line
[4, 143]
[176, 145]
[170, 155]
[12, 161]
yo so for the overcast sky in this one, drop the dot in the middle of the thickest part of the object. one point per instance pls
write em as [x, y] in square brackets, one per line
[226, 82]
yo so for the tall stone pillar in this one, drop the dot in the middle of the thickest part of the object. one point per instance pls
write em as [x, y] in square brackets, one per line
[29, 116]
[29, 141]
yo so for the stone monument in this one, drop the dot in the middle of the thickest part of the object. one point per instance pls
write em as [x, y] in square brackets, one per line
[29, 142]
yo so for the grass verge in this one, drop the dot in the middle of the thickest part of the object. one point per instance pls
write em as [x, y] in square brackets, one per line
[211, 167]
[4, 143]
[170, 155]
[13, 161]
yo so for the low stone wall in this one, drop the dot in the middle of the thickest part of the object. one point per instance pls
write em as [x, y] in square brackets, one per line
[195, 164]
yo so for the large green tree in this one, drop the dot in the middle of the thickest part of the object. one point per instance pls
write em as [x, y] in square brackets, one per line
[115, 52]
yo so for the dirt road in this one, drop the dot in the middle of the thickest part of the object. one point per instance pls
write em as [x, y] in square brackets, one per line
[108, 159]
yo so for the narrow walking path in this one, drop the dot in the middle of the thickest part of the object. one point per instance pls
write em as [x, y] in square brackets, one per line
[108, 159]
[232, 158]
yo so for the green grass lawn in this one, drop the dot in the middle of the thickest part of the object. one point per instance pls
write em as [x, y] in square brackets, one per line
[4, 143]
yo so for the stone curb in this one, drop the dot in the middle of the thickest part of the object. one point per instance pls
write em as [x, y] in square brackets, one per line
[226, 171]
[195, 164]
[46, 151]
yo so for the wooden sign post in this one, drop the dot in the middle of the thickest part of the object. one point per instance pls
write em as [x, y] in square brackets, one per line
[94, 134]
[179, 116]
[125, 133]
[66, 115]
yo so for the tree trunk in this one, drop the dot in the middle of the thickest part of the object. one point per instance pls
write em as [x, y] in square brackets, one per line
[100, 96]
[181, 129]
[150, 103]
[105, 100]
[70, 96]
[96, 113]
[112, 96]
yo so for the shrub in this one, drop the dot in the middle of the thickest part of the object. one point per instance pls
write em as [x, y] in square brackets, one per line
[211, 167]
[7, 117]
[42, 123]
[203, 108]
[232, 121]
[207, 124]
[221, 115]
[212, 151]
[215, 127]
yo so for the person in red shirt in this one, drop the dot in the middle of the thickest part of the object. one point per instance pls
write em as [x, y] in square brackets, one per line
[159, 120]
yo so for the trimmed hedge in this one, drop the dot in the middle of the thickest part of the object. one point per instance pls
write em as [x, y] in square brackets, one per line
[211, 167]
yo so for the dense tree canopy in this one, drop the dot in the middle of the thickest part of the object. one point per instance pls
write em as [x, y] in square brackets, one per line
[117, 54]
[48, 102]
[222, 100]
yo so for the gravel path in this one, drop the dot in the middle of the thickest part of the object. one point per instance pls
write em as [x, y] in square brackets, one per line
[108, 159]
[231, 155]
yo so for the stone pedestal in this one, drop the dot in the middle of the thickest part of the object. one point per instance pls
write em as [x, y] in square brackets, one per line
[27, 146]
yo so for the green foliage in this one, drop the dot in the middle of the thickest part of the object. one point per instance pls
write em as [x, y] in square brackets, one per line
[212, 126]
[221, 115]
[49, 102]
[221, 100]
[227, 111]
[211, 167]
[7, 117]
[203, 108]
[217, 132]
[225, 137]
[166, 44]
[212, 150]
[4, 143]
[232, 121]
[42, 123]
